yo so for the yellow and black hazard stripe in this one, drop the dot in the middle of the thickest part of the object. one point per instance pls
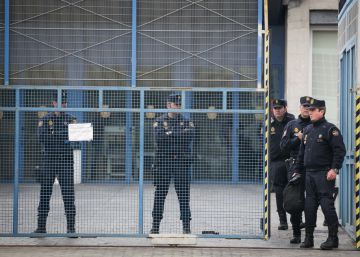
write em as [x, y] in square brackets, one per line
[267, 122]
[357, 172]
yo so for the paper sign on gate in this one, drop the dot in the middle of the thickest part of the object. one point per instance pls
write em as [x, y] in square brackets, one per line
[81, 132]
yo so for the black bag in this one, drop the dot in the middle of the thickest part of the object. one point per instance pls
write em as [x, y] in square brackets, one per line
[294, 198]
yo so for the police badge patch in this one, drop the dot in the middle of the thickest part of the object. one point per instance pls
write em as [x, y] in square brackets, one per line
[191, 124]
[50, 123]
[40, 123]
[155, 124]
[335, 132]
[296, 130]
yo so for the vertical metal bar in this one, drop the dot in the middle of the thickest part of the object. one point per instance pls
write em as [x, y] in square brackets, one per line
[259, 44]
[128, 100]
[133, 44]
[235, 139]
[101, 98]
[141, 162]
[7, 43]
[224, 100]
[16, 165]
[267, 122]
[357, 172]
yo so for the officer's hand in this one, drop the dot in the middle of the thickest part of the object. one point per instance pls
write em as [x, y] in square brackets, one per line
[331, 175]
[299, 135]
[295, 174]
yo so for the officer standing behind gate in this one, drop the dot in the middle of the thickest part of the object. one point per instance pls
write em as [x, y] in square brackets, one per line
[278, 170]
[173, 135]
[290, 142]
[57, 162]
[321, 155]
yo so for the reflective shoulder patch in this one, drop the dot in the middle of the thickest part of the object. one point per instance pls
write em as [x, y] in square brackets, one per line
[335, 132]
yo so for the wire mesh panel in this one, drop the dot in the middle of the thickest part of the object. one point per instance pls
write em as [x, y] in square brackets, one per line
[79, 42]
[7, 150]
[2, 29]
[53, 194]
[207, 164]
[161, 159]
[197, 43]
[158, 161]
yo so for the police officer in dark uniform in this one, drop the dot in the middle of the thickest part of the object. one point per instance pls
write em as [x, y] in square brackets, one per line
[278, 172]
[321, 155]
[290, 142]
[57, 162]
[173, 135]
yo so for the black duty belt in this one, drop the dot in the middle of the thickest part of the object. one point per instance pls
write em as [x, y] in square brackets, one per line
[317, 169]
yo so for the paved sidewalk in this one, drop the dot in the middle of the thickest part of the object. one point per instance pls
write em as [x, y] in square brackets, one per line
[278, 245]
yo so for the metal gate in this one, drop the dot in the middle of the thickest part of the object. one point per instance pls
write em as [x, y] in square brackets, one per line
[117, 63]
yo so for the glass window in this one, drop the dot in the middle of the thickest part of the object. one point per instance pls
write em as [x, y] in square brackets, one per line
[325, 71]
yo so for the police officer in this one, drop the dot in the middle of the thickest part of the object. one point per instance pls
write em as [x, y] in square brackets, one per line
[278, 172]
[57, 162]
[290, 142]
[173, 135]
[321, 155]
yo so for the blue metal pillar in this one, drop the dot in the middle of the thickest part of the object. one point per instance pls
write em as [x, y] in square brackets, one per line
[16, 166]
[235, 139]
[128, 99]
[259, 44]
[141, 163]
[7, 43]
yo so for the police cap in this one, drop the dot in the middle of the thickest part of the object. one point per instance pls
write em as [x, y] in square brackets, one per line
[305, 101]
[279, 103]
[174, 98]
[315, 103]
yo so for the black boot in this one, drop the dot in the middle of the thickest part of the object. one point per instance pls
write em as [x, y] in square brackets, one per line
[41, 227]
[155, 227]
[309, 238]
[296, 235]
[186, 227]
[70, 229]
[332, 241]
[283, 221]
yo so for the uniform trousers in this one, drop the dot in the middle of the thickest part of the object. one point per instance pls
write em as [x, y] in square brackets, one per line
[319, 191]
[166, 170]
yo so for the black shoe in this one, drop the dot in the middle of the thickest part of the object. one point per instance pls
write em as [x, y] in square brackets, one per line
[40, 232]
[283, 226]
[332, 241]
[309, 238]
[71, 231]
[308, 243]
[295, 240]
[154, 231]
[186, 227]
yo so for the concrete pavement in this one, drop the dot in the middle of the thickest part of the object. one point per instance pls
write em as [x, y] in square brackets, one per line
[278, 245]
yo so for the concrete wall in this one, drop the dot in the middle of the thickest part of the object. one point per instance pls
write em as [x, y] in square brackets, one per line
[298, 48]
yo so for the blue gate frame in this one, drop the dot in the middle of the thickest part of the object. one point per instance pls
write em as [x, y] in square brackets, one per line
[129, 110]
